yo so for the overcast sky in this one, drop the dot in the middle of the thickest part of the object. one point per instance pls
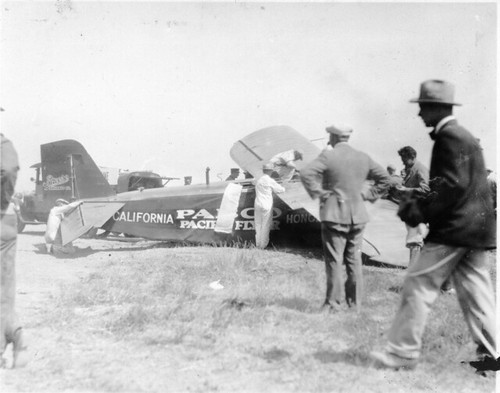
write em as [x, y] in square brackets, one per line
[171, 86]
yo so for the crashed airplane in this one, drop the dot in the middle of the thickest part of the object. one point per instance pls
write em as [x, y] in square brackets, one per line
[215, 213]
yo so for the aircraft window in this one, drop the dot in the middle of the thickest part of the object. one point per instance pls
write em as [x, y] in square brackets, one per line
[136, 182]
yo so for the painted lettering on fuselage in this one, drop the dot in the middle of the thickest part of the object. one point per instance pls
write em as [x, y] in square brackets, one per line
[205, 220]
[144, 217]
[299, 218]
[56, 183]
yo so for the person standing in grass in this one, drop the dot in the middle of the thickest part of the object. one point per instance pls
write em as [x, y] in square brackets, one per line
[337, 177]
[459, 211]
[263, 206]
[416, 182]
[12, 331]
[53, 236]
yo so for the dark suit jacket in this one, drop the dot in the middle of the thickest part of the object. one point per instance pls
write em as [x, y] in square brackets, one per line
[459, 208]
[338, 177]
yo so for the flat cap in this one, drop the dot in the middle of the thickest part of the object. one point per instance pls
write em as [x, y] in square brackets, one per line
[340, 129]
[268, 167]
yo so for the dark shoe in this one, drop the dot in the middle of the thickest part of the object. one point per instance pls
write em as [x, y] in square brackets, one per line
[390, 360]
[447, 287]
[327, 307]
[487, 363]
[19, 349]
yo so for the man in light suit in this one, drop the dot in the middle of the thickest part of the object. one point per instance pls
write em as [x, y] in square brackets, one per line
[459, 211]
[338, 178]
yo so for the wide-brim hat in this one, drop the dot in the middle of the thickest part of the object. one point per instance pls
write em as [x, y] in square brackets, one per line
[436, 91]
[339, 129]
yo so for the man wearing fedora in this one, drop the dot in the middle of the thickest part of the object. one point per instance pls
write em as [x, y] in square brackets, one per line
[337, 177]
[459, 211]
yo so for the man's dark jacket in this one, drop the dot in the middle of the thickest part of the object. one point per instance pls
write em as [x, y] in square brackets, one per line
[459, 208]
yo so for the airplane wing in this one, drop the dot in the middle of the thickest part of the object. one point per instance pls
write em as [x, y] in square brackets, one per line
[255, 149]
[385, 234]
[296, 197]
[90, 214]
[252, 151]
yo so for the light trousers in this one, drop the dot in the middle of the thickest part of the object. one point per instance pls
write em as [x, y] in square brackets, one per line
[468, 268]
[415, 235]
[263, 218]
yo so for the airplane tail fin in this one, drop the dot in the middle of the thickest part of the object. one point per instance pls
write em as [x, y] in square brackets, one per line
[69, 172]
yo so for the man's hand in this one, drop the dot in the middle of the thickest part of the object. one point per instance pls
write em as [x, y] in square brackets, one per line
[323, 197]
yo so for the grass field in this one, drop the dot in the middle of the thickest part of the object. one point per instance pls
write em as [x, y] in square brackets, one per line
[148, 321]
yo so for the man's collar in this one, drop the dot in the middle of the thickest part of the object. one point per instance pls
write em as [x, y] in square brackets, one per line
[442, 122]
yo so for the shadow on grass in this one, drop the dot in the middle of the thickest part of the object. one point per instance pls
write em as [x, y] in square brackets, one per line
[84, 252]
[308, 253]
[292, 303]
[396, 288]
[275, 354]
[350, 356]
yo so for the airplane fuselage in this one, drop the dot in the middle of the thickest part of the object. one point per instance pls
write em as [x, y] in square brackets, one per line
[189, 213]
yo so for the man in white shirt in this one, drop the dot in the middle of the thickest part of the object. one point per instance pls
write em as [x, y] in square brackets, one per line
[53, 238]
[284, 163]
[263, 207]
